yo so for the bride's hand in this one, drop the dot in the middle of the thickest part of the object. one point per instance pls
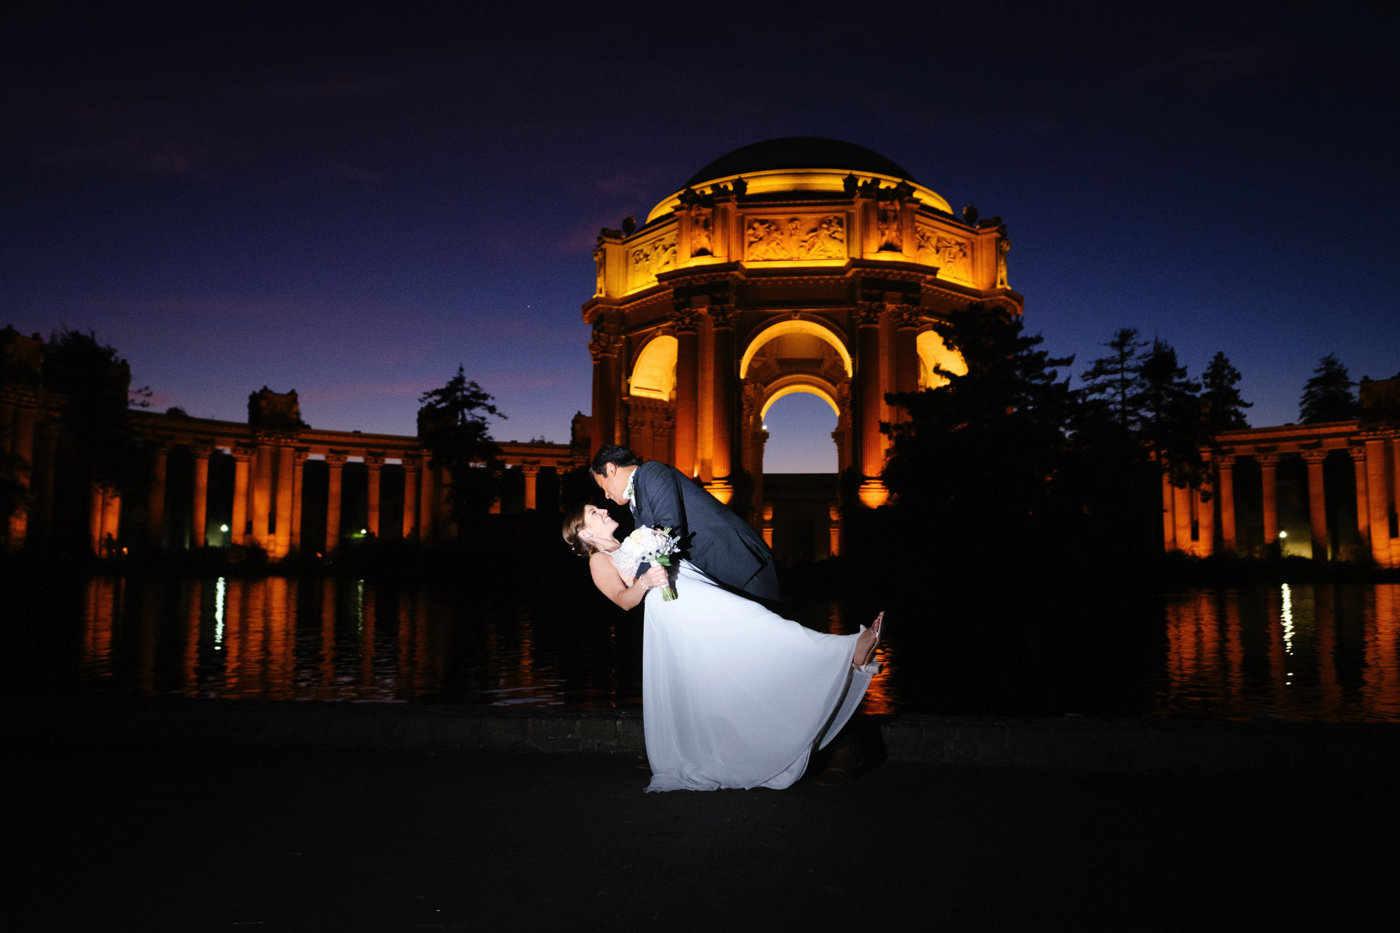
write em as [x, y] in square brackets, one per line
[655, 576]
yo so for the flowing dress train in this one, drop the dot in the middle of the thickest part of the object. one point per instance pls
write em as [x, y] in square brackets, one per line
[734, 695]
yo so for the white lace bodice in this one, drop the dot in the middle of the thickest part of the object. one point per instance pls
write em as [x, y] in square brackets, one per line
[627, 559]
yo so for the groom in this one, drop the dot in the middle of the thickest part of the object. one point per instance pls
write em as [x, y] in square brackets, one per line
[725, 547]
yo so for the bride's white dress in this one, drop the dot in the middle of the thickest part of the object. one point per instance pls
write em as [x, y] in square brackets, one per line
[734, 695]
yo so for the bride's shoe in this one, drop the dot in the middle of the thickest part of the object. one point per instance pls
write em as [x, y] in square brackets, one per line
[875, 628]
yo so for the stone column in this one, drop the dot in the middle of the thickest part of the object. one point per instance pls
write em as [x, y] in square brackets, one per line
[261, 496]
[1169, 542]
[604, 349]
[1268, 471]
[1363, 500]
[870, 391]
[1379, 498]
[1181, 497]
[725, 376]
[906, 354]
[104, 519]
[95, 519]
[1226, 492]
[299, 458]
[687, 390]
[155, 503]
[1205, 522]
[758, 444]
[427, 514]
[242, 454]
[411, 469]
[374, 463]
[282, 540]
[531, 472]
[1317, 503]
[335, 461]
[1394, 497]
[834, 529]
[199, 509]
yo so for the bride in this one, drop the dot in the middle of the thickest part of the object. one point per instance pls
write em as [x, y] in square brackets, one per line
[733, 695]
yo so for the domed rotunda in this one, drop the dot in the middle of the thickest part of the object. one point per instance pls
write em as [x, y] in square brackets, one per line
[790, 265]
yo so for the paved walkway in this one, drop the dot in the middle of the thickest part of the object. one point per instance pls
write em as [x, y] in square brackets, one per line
[181, 836]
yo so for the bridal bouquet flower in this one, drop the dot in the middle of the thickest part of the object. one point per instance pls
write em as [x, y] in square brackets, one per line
[656, 545]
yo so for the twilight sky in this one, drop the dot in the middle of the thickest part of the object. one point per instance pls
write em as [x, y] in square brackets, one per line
[351, 204]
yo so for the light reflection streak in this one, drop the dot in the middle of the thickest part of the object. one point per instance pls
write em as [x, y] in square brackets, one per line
[1286, 620]
[220, 585]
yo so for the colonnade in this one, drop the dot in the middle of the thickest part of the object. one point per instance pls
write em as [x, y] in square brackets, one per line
[1190, 514]
[268, 486]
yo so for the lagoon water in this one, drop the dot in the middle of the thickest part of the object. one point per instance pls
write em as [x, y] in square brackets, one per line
[1314, 652]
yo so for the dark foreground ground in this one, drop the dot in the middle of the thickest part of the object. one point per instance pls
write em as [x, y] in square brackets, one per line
[183, 837]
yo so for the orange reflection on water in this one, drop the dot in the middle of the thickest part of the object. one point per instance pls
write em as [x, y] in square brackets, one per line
[1382, 644]
[1300, 665]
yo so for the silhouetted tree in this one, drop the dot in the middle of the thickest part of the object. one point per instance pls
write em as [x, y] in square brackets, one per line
[95, 444]
[1112, 389]
[1328, 394]
[1223, 408]
[1172, 426]
[977, 459]
[452, 425]
[1112, 463]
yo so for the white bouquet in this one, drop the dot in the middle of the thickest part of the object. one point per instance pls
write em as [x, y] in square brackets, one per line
[656, 545]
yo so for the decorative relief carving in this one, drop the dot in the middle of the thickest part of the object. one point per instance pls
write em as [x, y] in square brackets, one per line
[907, 316]
[1003, 247]
[701, 230]
[604, 342]
[887, 224]
[722, 315]
[769, 238]
[650, 258]
[867, 313]
[952, 256]
[685, 318]
[598, 257]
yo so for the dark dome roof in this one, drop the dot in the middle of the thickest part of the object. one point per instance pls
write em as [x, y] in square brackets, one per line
[798, 152]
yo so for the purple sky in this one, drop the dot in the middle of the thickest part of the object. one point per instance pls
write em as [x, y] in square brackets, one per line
[353, 206]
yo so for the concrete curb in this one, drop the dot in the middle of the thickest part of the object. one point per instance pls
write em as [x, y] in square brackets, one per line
[1070, 743]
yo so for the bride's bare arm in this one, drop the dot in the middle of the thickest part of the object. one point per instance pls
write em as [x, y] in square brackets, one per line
[611, 584]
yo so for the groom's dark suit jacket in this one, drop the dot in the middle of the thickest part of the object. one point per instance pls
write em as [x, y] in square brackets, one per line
[721, 543]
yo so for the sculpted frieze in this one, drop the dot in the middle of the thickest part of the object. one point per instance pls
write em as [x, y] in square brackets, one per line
[952, 256]
[774, 238]
[647, 259]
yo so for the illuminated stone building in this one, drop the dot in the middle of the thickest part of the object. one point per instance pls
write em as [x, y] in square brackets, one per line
[273, 483]
[793, 265]
[1325, 491]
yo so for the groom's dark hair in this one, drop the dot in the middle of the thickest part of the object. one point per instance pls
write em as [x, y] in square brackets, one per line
[618, 456]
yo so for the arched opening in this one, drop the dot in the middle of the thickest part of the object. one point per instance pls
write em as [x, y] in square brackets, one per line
[800, 421]
[800, 486]
[654, 373]
[795, 329]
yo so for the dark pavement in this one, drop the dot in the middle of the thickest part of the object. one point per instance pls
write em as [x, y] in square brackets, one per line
[185, 837]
